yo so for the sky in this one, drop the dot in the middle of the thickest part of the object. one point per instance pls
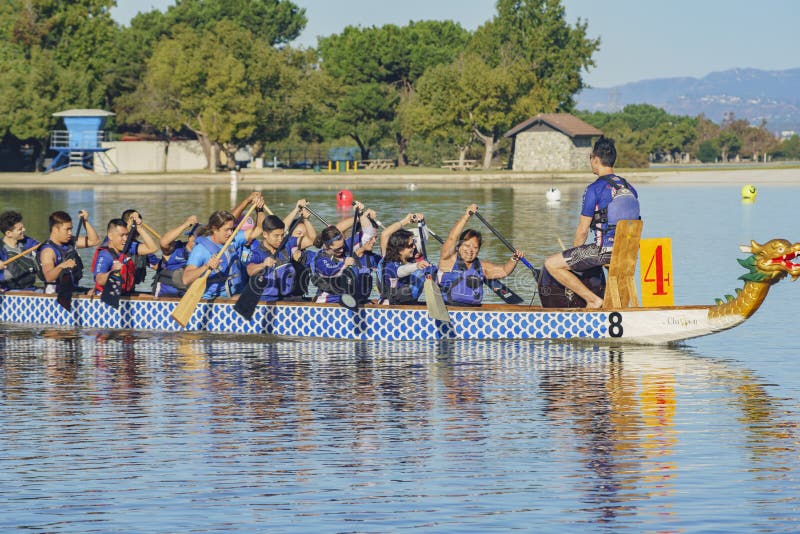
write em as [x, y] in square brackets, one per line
[640, 39]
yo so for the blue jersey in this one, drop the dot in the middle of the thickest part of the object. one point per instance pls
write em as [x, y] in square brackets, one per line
[596, 197]
[226, 280]
[278, 280]
[259, 253]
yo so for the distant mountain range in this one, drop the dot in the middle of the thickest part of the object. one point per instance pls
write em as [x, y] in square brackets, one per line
[752, 94]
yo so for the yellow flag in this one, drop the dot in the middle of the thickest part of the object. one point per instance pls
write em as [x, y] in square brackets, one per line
[655, 259]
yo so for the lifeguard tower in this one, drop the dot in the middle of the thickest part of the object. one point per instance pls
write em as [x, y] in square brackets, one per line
[77, 145]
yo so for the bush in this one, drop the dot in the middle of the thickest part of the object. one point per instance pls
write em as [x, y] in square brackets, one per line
[707, 152]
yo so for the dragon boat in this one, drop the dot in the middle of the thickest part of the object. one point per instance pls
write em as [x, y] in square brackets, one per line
[767, 264]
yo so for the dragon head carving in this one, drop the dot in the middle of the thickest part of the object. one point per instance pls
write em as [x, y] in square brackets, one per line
[771, 261]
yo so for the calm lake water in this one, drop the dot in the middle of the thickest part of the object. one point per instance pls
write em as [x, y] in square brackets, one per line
[126, 431]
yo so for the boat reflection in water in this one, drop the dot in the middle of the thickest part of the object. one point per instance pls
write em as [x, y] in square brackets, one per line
[404, 432]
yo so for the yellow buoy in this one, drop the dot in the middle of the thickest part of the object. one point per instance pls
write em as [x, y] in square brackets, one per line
[749, 192]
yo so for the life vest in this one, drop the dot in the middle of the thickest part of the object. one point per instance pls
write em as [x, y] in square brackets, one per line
[169, 276]
[623, 206]
[333, 285]
[462, 286]
[127, 273]
[227, 280]
[356, 281]
[405, 290]
[63, 253]
[363, 269]
[22, 273]
[303, 268]
[278, 280]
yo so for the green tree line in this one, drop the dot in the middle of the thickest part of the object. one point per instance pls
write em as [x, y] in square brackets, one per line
[227, 74]
[647, 134]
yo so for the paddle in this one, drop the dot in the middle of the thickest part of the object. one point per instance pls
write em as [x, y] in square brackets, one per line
[251, 295]
[64, 283]
[155, 234]
[185, 308]
[347, 299]
[499, 288]
[22, 254]
[433, 296]
[506, 243]
[113, 286]
[315, 214]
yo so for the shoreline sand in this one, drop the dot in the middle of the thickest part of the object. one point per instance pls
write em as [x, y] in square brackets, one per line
[266, 178]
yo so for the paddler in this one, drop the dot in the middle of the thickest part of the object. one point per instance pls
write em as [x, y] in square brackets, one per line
[461, 273]
[59, 253]
[278, 270]
[226, 277]
[20, 274]
[402, 271]
[337, 254]
[141, 261]
[174, 253]
[112, 256]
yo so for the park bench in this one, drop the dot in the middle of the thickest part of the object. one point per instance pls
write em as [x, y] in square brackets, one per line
[377, 163]
[456, 165]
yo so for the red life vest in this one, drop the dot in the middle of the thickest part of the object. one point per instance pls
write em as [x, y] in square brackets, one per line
[127, 273]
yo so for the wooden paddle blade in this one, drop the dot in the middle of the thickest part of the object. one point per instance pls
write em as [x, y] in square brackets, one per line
[503, 291]
[434, 301]
[185, 309]
[112, 290]
[248, 300]
[64, 287]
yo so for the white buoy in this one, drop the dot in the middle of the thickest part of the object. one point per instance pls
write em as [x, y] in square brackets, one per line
[553, 194]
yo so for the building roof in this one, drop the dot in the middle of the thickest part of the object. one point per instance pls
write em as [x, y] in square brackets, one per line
[83, 113]
[565, 123]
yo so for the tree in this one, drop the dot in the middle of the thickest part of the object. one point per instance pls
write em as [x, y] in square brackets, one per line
[707, 151]
[758, 141]
[435, 112]
[728, 143]
[56, 56]
[374, 65]
[274, 22]
[790, 148]
[536, 33]
[223, 84]
[531, 42]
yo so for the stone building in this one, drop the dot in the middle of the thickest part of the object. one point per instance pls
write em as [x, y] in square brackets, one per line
[551, 142]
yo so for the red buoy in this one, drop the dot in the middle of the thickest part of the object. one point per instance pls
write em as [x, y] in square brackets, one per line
[344, 198]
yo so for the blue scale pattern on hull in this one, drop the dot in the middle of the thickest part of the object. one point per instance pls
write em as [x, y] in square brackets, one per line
[332, 322]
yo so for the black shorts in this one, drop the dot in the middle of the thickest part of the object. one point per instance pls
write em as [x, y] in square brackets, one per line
[585, 257]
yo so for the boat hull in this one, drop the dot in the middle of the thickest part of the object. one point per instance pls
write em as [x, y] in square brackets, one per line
[329, 321]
